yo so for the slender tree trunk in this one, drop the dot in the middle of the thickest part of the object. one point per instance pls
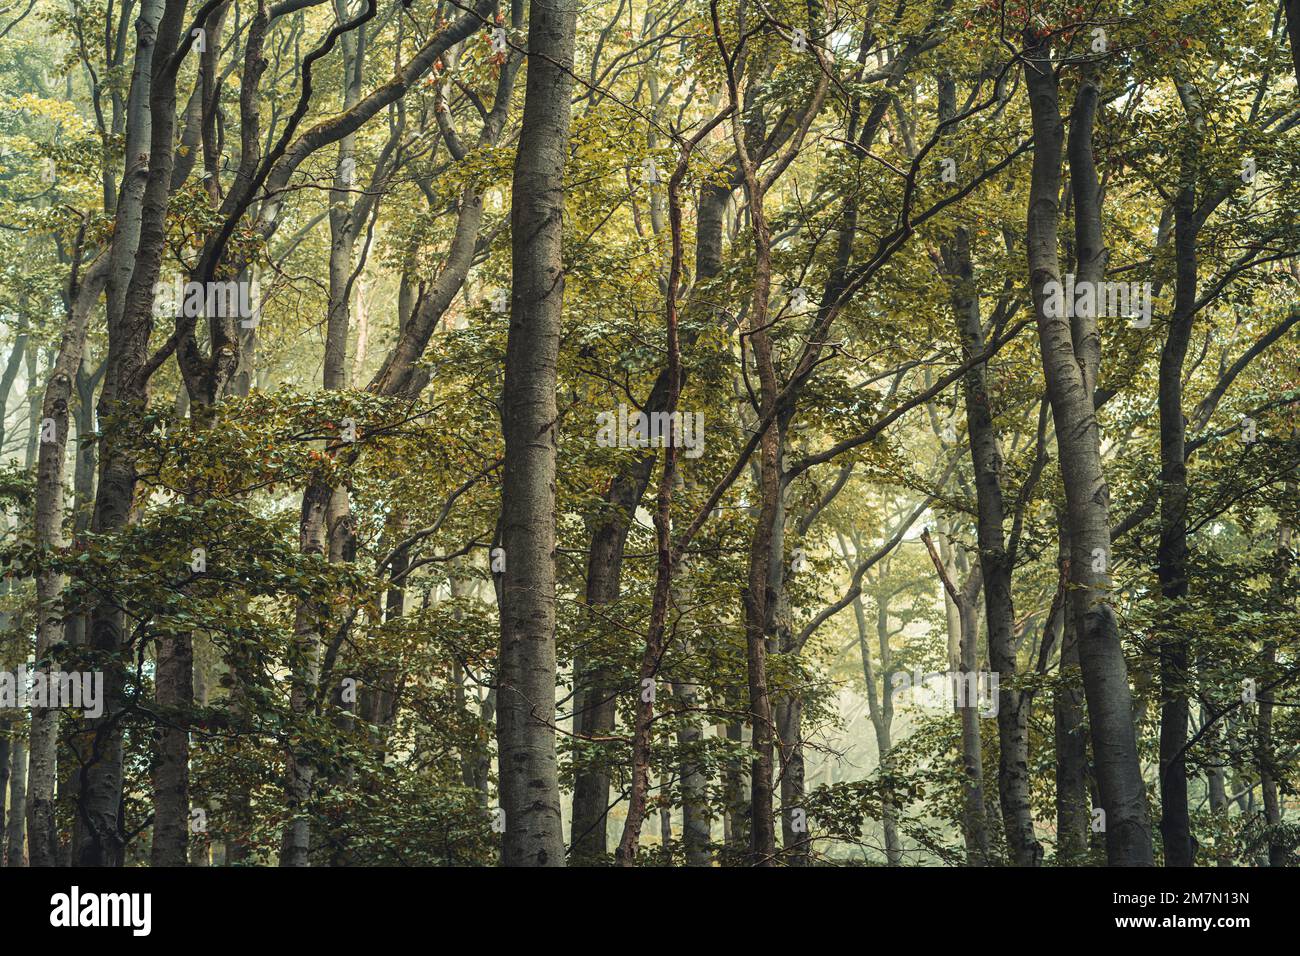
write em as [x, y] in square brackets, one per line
[17, 829]
[17, 352]
[757, 594]
[693, 780]
[1171, 555]
[1279, 848]
[795, 849]
[41, 826]
[174, 680]
[125, 392]
[975, 809]
[295, 841]
[880, 709]
[324, 529]
[530, 790]
[964, 680]
[594, 701]
[995, 562]
[6, 754]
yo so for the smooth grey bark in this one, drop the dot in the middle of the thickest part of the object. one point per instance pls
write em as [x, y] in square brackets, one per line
[16, 828]
[295, 842]
[1070, 380]
[1073, 810]
[529, 780]
[694, 781]
[42, 830]
[344, 221]
[996, 562]
[788, 712]
[174, 677]
[77, 627]
[951, 565]
[100, 840]
[130, 200]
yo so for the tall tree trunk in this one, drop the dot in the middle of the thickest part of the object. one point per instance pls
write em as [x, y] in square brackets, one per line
[325, 528]
[794, 836]
[995, 562]
[529, 780]
[42, 830]
[693, 780]
[1279, 848]
[757, 594]
[174, 679]
[789, 707]
[1171, 554]
[1069, 377]
[295, 841]
[125, 392]
[665, 560]
[16, 827]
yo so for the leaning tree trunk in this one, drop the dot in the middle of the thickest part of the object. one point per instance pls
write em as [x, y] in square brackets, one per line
[594, 693]
[995, 562]
[125, 393]
[529, 780]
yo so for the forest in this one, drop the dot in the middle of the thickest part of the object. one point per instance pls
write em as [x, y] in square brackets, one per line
[737, 433]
